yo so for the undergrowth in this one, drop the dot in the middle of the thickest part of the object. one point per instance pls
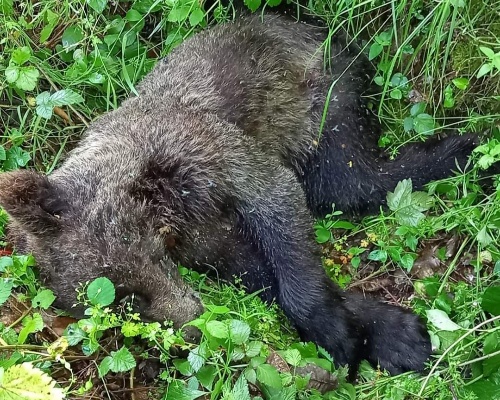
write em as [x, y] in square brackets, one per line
[63, 63]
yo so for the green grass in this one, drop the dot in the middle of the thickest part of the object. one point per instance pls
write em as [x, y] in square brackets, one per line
[63, 63]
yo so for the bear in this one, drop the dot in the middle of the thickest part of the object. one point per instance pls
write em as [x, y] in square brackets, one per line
[234, 143]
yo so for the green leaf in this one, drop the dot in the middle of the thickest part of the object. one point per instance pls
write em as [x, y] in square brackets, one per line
[43, 299]
[27, 79]
[51, 19]
[441, 321]
[323, 235]
[177, 390]
[396, 94]
[491, 345]
[408, 124]
[65, 97]
[253, 5]
[218, 309]
[273, 3]
[104, 366]
[119, 361]
[240, 389]
[5, 262]
[97, 5]
[417, 108]
[12, 73]
[268, 375]
[3, 157]
[487, 52]
[18, 157]
[31, 324]
[196, 358]
[378, 255]
[24, 381]
[461, 83]
[21, 55]
[133, 15]
[375, 50]
[292, 357]
[240, 331]
[401, 196]
[486, 68]
[196, 16]
[74, 334]
[483, 237]
[408, 206]
[424, 124]
[406, 262]
[217, 329]
[6, 7]
[72, 36]
[490, 301]
[5, 289]
[101, 291]
[206, 376]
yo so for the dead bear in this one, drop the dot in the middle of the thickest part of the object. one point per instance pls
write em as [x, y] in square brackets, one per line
[219, 162]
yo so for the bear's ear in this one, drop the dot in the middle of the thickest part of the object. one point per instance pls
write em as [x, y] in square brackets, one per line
[31, 200]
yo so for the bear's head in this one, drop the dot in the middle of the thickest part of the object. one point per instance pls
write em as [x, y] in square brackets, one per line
[75, 243]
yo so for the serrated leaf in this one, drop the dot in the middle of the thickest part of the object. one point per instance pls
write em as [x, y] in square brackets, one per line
[177, 390]
[252, 348]
[253, 5]
[5, 289]
[292, 357]
[196, 360]
[240, 331]
[27, 79]
[240, 389]
[44, 110]
[101, 291]
[268, 375]
[74, 334]
[12, 73]
[43, 299]
[23, 381]
[21, 55]
[217, 329]
[490, 301]
[121, 360]
[65, 97]
[441, 321]
[31, 324]
[18, 157]
[401, 197]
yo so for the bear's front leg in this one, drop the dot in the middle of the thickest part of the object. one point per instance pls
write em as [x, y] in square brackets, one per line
[272, 214]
